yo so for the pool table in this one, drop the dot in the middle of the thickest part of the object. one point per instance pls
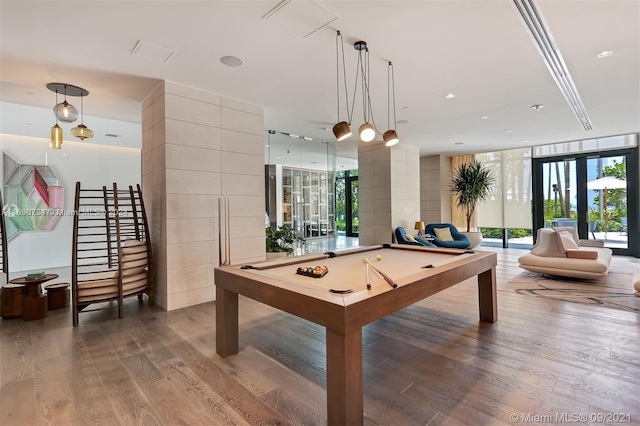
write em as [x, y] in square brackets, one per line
[342, 302]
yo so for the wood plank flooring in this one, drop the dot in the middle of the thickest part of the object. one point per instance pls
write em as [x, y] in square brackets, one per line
[430, 364]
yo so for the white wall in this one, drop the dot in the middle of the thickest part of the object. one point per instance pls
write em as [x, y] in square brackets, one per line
[92, 164]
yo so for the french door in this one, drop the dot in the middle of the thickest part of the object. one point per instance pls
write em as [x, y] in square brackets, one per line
[596, 192]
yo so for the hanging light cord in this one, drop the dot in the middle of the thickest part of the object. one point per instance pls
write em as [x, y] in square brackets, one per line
[340, 50]
[56, 104]
[355, 86]
[365, 86]
[81, 110]
[391, 89]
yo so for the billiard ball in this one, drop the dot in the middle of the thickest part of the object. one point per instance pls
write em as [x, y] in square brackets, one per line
[378, 257]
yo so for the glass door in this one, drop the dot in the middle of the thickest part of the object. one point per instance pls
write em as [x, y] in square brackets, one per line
[346, 190]
[591, 191]
[353, 222]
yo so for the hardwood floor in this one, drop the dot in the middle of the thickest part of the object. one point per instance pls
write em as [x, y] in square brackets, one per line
[432, 363]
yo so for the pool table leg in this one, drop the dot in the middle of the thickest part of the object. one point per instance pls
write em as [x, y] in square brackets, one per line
[226, 322]
[344, 378]
[487, 296]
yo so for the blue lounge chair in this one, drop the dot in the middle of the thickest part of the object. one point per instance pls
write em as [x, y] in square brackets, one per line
[459, 240]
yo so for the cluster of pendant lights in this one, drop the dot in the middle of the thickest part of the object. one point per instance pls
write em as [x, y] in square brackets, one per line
[67, 113]
[368, 130]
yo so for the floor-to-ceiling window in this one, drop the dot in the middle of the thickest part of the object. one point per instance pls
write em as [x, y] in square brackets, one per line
[590, 185]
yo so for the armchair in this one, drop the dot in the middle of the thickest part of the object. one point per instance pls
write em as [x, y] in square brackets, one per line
[458, 240]
[403, 238]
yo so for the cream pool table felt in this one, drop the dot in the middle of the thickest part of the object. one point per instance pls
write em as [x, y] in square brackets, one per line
[419, 272]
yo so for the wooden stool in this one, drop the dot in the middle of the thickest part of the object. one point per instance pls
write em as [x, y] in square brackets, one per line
[11, 300]
[58, 295]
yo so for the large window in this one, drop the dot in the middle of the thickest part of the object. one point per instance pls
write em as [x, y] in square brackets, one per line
[510, 206]
[560, 184]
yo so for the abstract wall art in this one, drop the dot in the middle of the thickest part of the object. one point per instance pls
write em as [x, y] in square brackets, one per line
[33, 198]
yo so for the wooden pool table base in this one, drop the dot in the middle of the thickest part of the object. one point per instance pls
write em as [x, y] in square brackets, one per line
[344, 325]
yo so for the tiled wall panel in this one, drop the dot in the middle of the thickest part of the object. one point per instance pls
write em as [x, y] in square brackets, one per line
[200, 148]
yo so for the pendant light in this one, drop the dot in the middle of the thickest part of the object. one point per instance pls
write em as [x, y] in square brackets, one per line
[65, 112]
[366, 130]
[56, 137]
[82, 132]
[56, 132]
[391, 136]
[341, 130]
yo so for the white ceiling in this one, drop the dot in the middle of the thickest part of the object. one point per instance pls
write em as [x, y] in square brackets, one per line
[478, 50]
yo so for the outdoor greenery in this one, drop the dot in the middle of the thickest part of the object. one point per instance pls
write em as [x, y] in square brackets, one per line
[616, 202]
[472, 183]
[496, 233]
[281, 239]
[341, 200]
[617, 198]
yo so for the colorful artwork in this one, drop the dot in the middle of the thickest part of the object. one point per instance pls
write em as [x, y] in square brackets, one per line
[33, 199]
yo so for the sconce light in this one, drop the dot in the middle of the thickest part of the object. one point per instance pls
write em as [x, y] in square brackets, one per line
[368, 129]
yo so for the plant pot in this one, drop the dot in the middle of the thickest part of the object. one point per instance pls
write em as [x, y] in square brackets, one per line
[474, 237]
[276, 255]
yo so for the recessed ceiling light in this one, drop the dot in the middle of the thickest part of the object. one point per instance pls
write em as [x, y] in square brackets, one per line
[450, 96]
[509, 131]
[231, 61]
[605, 53]
[402, 122]
[484, 117]
[266, 146]
[537, 107]
[277, 158]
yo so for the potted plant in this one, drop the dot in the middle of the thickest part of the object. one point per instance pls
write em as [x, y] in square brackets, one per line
[280, 241]
[472, 183]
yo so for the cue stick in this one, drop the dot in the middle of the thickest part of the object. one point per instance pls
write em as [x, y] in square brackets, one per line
[368, 280]
[220, 232]
[386, 277]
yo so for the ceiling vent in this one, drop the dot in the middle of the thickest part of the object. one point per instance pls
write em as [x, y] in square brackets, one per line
[152, 51]
[543, 40]
[111, 135]
[302, 18]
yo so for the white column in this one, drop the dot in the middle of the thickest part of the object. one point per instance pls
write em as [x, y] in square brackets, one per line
[197, 148]
[389, 185]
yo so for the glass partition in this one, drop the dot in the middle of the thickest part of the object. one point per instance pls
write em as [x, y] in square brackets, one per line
[300, 184]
